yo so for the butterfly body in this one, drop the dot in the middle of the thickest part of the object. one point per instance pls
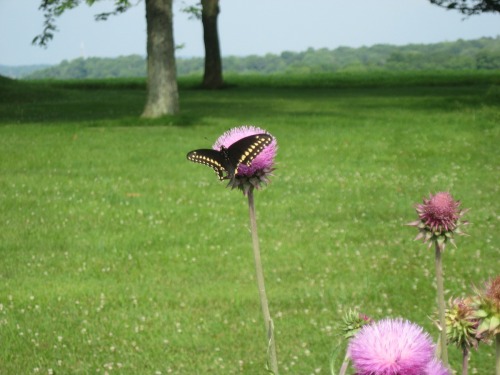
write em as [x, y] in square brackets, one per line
[226, 161]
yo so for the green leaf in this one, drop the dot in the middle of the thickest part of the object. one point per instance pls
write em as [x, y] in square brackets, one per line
[483, 327]
[494, 323]
[481, 314]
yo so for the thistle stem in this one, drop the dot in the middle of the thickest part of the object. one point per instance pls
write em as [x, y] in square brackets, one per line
[273, 361]
[465, 361]
[345, 363]
[441, 306]
[497, 366]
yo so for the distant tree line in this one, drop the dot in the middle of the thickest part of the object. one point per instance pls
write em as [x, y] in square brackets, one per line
[12, 71]
[479, 54]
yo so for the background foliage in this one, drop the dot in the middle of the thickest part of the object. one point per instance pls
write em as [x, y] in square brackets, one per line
[479, 54]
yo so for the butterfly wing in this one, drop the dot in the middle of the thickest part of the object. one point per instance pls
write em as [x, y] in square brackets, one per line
[247, 149]
[226, 161]
[212, 158]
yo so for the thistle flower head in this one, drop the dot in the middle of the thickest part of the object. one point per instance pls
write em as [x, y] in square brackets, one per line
[436, 367]
[257, 173]
[439, 219]
[391, 347]
[440, 212]
[487, 309]
[461, 323]
[492, 292]
[353, 322]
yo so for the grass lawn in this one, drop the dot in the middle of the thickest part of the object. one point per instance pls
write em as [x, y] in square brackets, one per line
[120, 256]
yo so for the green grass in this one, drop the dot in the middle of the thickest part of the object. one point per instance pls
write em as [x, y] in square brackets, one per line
[119, 256]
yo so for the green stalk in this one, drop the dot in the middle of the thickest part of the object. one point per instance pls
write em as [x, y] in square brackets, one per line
[465, 361]
[441, 305]
[345, 363]
[497, 366]
[273, 361]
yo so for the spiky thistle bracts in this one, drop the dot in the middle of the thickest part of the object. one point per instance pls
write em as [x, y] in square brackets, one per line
[487, 309]
[462, 323]
[440, 219]
[352, 322]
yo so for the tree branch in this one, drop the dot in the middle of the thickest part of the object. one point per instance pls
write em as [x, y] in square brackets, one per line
[55, 8]
[469, 7]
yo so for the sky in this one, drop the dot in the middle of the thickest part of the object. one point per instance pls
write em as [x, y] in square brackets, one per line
[246, 27]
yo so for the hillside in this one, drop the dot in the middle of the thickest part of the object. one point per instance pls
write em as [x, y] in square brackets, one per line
[478, 54]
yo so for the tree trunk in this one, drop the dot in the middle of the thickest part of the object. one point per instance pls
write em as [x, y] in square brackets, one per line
[212, 79]
[162, 95]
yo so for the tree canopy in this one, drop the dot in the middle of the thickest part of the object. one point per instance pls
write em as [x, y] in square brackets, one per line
[469, 7]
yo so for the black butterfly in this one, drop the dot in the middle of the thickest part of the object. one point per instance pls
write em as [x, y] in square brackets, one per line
[228, 159]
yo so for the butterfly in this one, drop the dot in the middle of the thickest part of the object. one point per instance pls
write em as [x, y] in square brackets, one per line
[227, 160]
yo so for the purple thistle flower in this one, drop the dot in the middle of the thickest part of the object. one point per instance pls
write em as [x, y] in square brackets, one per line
[391, 347]
[439, 218]
[440, 212]
[435, 367]
[257, 173]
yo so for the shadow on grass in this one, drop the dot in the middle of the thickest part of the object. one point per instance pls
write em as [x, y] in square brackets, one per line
[88, 103]
[252, 102]
[120, 102]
